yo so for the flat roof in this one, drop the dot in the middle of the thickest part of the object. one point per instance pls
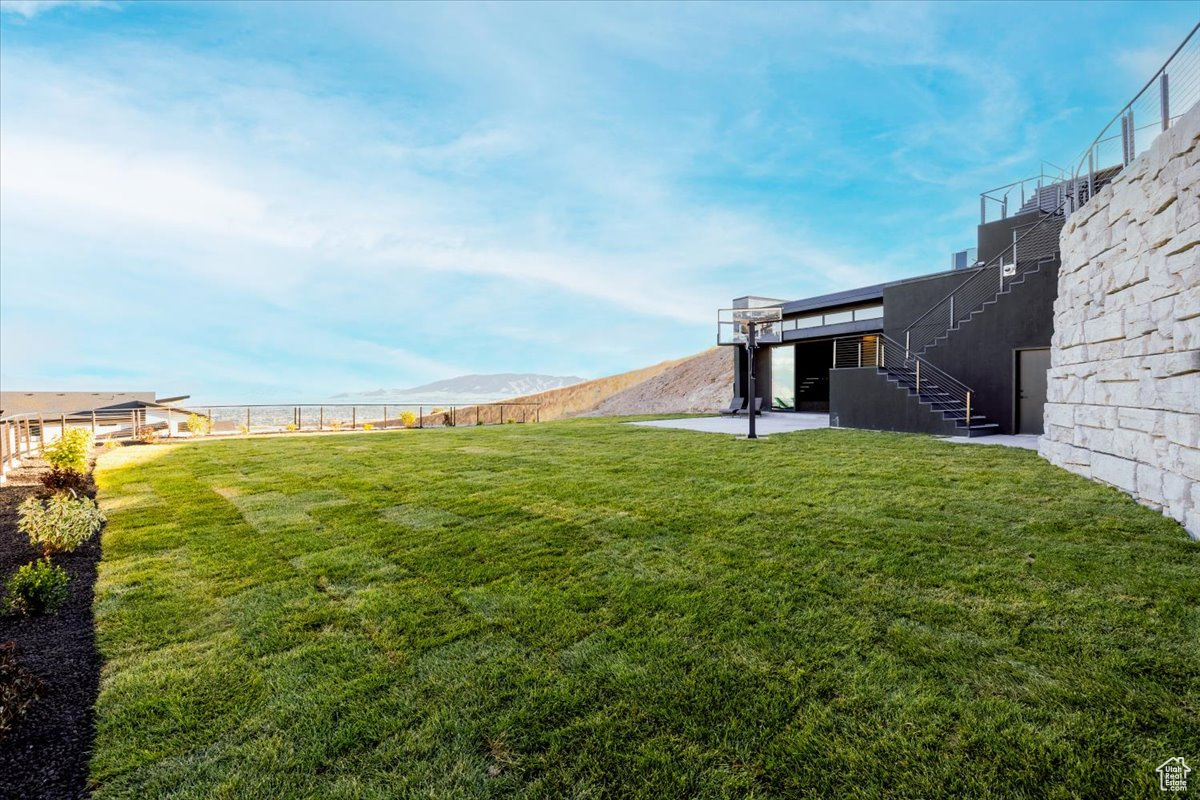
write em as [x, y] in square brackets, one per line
[863, 294]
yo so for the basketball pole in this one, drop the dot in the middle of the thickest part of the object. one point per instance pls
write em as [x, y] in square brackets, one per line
[750, 345]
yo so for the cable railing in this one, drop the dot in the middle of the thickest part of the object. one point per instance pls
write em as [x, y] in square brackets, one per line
[1029, 250]
[1041, 192]
[1168, 95]
[932, 384]
[24, 435]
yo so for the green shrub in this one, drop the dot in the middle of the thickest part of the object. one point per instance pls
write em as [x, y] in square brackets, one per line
[69, 451]
[19, 687]
[61, 524]
[408, 418]
[39, 587]
[198, 425]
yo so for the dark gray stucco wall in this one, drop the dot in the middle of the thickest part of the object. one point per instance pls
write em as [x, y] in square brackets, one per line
[982, 352]
[864, 398]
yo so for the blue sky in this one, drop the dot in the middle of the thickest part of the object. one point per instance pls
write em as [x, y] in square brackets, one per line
[285, 201]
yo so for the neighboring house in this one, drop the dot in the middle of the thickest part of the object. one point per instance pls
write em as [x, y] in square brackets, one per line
[913, 354]
[107, 413]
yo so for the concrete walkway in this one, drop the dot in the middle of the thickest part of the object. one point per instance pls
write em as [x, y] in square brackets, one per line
[765, 425]
[788, 422]
[1026, 441]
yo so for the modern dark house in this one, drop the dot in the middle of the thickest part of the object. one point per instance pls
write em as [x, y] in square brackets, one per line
[959, 352]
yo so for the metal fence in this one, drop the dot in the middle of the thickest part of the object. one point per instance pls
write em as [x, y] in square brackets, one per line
[24, 435]
[1166, 97]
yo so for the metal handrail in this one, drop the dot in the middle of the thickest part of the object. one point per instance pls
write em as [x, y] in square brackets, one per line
[1178, 86]
[929, 380]
[1057, 176]
[986, 282]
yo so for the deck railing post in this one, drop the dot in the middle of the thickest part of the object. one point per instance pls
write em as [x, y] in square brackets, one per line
[1164, 97]
[62, 426]
[860, 344]
[93, 422]
[3, 447]
[918, 376]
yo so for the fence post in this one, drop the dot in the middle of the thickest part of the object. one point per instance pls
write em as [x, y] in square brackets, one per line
[321, 419]
[502, 413]
[353, 417]
[41, 433]
[385, 418]
[28, 436]
[420, 416]
[537, 413]
[3, 448]
[247, 419]
[453, 417]
[1165, 100]
[968, 410]
[93, 422]
[62, 426]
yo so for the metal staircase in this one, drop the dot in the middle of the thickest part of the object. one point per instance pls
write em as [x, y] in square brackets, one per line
[1029, 252]
[942, 394]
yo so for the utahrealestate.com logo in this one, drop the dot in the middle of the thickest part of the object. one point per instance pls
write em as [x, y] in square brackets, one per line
[1172, 775]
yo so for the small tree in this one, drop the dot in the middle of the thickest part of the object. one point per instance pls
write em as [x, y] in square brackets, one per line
[69, 451]
[198, 425]
[408, 418]
[60, 524]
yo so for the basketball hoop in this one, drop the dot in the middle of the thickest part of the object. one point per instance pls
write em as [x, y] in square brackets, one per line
[750, 327]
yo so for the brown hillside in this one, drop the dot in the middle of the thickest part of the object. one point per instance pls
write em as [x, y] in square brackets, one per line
[699, 383]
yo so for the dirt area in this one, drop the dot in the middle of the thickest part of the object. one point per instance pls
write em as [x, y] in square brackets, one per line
[46, 753]
[700, 384]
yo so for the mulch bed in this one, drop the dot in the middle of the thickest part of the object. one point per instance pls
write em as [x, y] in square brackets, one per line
[46, 752]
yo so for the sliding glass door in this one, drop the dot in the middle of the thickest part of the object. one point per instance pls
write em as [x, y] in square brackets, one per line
[783, 377]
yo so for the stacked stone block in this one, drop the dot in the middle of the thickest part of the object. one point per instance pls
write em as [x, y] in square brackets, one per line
[1123, 400]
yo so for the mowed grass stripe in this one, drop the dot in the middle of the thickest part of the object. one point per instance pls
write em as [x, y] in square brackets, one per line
[589, 609]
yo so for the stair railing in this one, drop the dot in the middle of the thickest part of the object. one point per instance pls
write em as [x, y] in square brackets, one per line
[1027, 253]
[931, 383]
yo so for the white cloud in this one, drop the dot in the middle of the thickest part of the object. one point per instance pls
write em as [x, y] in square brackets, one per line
[31, 8]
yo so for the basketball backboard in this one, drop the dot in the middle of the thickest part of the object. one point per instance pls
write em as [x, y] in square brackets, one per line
[733, 325]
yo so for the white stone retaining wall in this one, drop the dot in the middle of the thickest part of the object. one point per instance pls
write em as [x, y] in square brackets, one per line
[1123, 401]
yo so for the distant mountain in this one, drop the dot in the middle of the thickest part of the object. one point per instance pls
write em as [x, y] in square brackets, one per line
[469, 388]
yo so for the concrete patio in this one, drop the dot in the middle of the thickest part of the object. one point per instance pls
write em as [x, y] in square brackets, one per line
[769, 423]
[766, 424]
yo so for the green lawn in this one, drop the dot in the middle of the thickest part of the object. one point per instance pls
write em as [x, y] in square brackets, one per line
[589, 609]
